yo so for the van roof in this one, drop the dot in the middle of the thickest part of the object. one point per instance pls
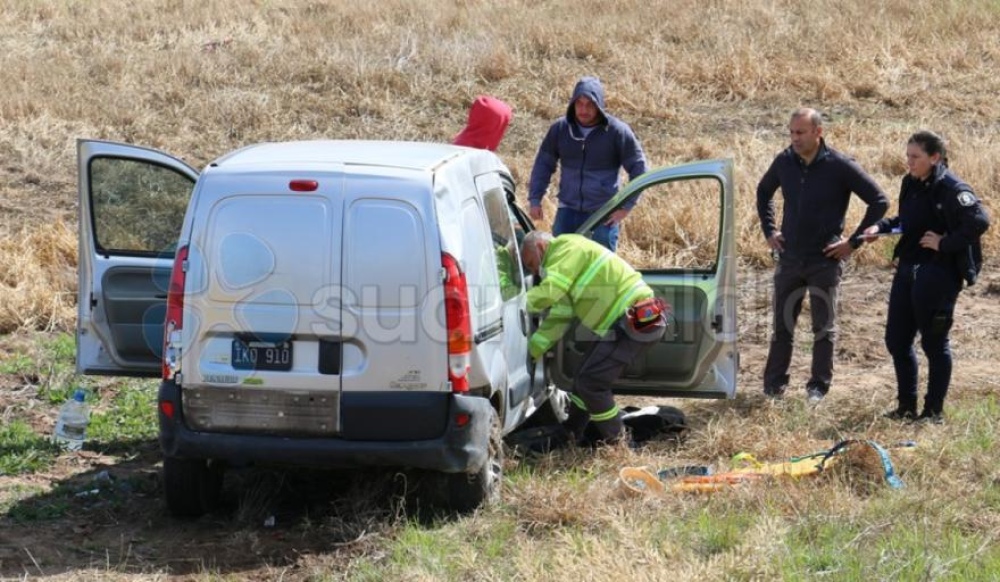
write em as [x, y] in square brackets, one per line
[393, 154]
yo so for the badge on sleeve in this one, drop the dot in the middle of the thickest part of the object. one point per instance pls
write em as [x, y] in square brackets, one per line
[965, 198]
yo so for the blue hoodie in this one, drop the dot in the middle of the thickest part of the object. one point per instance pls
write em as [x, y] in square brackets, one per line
[591, 164]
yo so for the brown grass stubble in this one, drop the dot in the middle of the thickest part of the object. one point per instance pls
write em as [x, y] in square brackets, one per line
[695, 79]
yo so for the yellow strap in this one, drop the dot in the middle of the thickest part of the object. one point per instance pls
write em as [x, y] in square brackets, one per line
[748, 458]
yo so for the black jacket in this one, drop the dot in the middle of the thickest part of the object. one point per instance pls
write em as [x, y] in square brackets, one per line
[816, 197]
[944, 204]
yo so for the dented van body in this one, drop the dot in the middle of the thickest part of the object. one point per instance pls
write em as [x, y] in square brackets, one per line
[341, 304]
[326, 303]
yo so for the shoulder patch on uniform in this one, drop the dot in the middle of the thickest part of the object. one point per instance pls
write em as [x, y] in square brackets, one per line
[965, 198]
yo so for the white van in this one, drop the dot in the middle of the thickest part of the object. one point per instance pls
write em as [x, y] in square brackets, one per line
[346, 303]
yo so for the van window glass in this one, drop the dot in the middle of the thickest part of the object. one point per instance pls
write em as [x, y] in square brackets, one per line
[480, 272]
[259, 245]
[138, 207]
[675, 226]
[505, 242]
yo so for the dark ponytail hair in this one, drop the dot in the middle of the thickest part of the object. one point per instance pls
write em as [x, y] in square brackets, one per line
[931, 143]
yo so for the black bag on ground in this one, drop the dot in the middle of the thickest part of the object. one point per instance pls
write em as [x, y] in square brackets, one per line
[653, 422]
[538, 439]
[644, 424]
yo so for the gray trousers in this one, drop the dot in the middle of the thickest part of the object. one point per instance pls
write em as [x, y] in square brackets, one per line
[792, 280]
[604, 362]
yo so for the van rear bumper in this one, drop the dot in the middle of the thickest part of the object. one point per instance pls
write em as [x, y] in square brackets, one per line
[457, 449]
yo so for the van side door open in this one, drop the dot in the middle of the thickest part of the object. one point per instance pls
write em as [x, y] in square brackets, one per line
[680, 235]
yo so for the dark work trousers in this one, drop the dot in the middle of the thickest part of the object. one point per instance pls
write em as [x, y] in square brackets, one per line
[604, 362]
[820, 277]
[922, 299]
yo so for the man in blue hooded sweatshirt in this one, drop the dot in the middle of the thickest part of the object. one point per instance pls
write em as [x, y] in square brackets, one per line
[591, 147]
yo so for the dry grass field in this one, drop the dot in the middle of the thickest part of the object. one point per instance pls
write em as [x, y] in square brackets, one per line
[696, 79]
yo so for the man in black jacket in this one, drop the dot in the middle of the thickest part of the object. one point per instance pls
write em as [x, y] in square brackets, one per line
[816, 183]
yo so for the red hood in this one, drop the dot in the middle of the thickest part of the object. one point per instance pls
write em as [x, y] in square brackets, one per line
[488, 120]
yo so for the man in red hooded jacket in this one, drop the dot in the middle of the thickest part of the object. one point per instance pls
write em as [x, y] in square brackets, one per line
[488, 121]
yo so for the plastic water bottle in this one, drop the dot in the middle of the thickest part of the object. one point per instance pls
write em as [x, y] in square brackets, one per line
[71, 427]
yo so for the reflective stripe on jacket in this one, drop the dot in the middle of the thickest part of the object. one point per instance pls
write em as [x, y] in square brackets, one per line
[583, 280]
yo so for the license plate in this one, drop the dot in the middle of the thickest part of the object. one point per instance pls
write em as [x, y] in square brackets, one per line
[259, 355]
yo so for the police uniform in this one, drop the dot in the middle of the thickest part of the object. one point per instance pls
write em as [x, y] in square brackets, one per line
[583, 280]
[927, 282]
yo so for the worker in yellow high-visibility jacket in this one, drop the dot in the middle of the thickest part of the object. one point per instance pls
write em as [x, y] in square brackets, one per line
[581, 279]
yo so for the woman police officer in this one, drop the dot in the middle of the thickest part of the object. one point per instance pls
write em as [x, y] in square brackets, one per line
[940, 221]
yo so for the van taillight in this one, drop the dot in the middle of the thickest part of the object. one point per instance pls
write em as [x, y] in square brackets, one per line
[173, 322]
[458, 322]
[303, 185]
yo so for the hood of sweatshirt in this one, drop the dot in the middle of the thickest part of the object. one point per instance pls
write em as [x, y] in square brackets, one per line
[488, 121]
[591, 88]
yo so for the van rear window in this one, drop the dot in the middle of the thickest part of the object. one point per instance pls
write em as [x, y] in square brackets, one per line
[269, 249]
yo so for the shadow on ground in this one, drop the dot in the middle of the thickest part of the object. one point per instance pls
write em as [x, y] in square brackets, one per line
[112, 517]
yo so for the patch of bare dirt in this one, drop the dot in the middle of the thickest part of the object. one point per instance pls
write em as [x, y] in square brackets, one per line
[862, 365]
[100, 513]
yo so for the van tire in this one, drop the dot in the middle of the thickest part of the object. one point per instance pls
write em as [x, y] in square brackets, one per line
[468, 491]
[192, 487]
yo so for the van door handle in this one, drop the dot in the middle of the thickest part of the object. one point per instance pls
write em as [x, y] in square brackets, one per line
[717, 323]
[523, 321]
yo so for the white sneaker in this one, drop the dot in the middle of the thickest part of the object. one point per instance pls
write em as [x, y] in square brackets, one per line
[814, 397]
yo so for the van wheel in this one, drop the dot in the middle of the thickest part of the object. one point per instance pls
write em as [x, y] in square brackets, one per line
[467, 491]
[192, 487]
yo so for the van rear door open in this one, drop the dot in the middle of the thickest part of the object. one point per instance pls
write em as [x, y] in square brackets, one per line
[132, 205]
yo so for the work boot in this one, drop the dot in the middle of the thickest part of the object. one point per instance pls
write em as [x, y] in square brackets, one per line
[775, 393]
[605, 432]
[931, 417]
[623, 438]
[932, 412]
[902, 413]
[576, 424]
